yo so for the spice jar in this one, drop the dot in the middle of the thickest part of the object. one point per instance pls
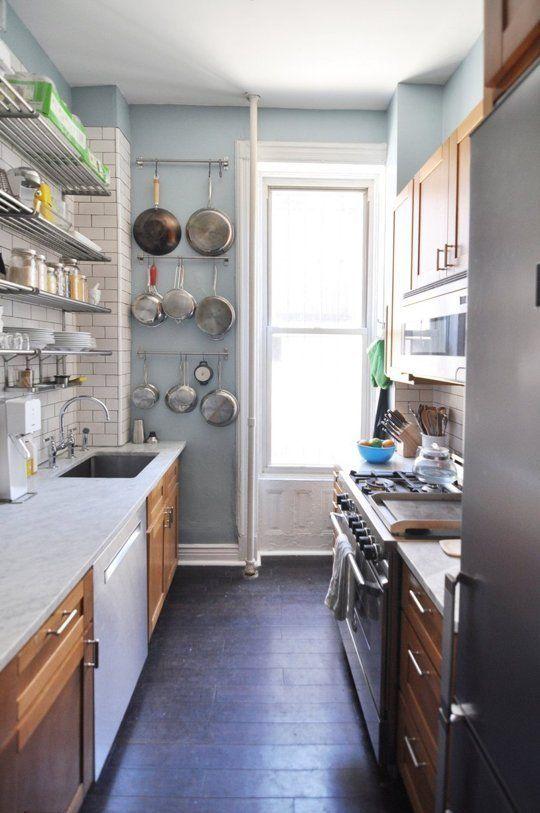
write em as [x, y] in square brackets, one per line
[23, 267]
[84, 287]
[52, 283]
[42, 271]
[73, 277]
[61, 280]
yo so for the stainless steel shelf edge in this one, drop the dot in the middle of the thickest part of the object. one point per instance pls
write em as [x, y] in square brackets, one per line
[33, 296]
[30, 134]
[30, 354]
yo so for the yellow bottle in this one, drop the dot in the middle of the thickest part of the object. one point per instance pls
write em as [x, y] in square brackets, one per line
[43, 201]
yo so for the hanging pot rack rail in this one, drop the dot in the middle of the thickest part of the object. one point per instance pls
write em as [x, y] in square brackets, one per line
[221, 163]
[224, 354]
[142, 257]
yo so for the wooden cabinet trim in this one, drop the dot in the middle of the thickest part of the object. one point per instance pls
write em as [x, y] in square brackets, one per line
[419, 781]
[428, 625]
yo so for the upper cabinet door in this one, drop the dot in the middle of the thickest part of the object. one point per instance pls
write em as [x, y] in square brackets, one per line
[459, 192]
[402, 241]
[430, 249]
[511, 41]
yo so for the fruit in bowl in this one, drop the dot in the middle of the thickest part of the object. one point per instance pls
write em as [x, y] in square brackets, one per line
[376, 450]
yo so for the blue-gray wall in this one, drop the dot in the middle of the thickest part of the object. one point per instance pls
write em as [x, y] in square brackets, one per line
[29, 51]
[102, 106]
[208, 479]
[464, 89]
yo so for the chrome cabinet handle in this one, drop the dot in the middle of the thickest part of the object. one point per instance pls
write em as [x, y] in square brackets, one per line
[415, 761]
[168, 517]
[439, 252]
[69, 616]
[415, 663]
[95, 663]
[447, 247]
[421, 609]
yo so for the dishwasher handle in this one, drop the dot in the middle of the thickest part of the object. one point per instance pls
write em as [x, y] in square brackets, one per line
[122, 553]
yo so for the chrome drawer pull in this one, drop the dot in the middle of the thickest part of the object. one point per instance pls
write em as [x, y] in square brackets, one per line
[419, 606]
[415, 663]
[410, 749]
[65, 623]
[95, 663]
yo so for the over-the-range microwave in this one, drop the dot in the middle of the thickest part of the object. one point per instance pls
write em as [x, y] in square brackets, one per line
[432, 336]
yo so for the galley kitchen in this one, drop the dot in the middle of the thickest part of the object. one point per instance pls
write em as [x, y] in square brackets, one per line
[269, 327]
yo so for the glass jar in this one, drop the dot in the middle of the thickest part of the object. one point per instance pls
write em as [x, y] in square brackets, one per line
[61, 280]
[84, 287]
[42, 271]
[434, 466]
[52, 283]
[23, 267]
[74, 279]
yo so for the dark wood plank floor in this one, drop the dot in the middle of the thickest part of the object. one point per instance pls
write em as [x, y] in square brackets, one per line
[245, 705]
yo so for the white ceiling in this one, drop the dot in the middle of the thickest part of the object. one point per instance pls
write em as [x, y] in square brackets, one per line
[295, 53]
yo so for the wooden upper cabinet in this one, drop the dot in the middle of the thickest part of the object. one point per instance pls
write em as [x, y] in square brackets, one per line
[459, 192]
[511, 41]
[430, 222]
[402, 242]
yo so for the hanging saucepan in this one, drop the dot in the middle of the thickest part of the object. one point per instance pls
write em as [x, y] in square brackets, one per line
[178, 303]
[146, 307]
[215, 315]
[145, 395]
[209, 231]
[182, 398]
[219, 407]
[157, 231]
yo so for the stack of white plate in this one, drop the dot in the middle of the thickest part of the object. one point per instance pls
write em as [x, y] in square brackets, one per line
[65, 340]
[39, 337]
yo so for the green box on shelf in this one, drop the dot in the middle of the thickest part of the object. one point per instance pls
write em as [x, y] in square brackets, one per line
[45, 99]
[97, 166]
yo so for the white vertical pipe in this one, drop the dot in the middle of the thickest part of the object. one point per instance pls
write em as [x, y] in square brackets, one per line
[250, 570]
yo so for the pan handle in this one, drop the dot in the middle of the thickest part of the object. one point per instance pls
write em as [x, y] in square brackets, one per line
[153, 275]
[155, 185]
[215, 278]
[209, 185]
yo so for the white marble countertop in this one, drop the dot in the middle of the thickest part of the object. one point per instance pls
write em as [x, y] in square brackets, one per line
[50, 541]
[430, 564]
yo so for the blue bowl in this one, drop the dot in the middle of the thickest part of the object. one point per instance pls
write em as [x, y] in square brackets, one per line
[376, 454]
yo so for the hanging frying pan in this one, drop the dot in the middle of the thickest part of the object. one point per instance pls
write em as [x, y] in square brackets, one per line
[215, 315]
[146, 307]
[219, 407]
[181, 397]
[157, 231]
[145, 395]
[178, 303]
[208, 231]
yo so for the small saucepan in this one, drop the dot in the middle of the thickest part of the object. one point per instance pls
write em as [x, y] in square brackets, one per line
[215, 315]
[178, 303]
[145, 395]
[182, 398]
[147, 307]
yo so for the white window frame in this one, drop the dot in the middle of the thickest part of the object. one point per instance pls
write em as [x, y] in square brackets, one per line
[264, 435]
[365, 163]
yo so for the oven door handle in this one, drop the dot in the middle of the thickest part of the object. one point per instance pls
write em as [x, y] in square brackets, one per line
[334, 520]
[359, 579]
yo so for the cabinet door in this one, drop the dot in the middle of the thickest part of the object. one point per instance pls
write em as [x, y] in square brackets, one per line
[155, 571]
[402, 241]
[512, 41]
[431, 219]
[170, 542]
[459, 192]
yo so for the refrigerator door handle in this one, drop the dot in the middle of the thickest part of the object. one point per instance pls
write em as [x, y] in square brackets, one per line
[447, 710]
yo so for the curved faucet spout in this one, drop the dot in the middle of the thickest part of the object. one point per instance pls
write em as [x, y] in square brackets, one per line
[73, 400]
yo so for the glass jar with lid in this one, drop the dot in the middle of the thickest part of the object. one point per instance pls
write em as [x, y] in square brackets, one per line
[41, 263]
[84, 287]
[23, 267]
[434, 465]
[52, 283]
[73, 277]
[61, 280]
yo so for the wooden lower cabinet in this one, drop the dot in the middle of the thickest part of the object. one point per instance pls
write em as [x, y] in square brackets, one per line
[419, 693]
[46, 753]
[162, 531]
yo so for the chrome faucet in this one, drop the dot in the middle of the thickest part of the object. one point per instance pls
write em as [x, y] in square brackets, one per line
[67, 443]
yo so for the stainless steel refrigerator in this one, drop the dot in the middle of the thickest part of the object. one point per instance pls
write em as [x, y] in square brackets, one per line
[491, 730]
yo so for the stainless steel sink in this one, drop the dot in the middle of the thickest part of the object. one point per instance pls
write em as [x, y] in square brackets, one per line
[103, 464]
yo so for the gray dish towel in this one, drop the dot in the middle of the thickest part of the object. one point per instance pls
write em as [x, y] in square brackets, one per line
[336, 597]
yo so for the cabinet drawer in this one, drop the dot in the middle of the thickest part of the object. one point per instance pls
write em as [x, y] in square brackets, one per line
[423, 616]
[414, 765]
[420, 685]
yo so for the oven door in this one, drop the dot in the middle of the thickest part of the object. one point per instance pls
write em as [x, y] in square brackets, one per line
[433, 333]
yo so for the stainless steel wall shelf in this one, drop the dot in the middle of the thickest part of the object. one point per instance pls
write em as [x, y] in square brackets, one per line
[20, 219]
[30, 134]
[8, 355]
[33, 296]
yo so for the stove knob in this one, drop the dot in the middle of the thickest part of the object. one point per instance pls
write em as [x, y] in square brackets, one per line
[341, 498]
[356, 525]
[361, 535]
[371, 551]
[352, 520]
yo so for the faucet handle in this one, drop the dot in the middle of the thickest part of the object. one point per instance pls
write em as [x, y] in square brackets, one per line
[51, 451]
[86, 436]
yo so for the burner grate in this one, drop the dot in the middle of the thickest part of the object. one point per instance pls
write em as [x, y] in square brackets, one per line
[375, 482]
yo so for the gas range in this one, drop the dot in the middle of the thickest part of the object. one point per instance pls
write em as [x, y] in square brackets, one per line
[397, 481]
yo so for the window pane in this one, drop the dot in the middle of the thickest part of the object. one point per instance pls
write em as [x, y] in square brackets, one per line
[316, 258]
[316, 397]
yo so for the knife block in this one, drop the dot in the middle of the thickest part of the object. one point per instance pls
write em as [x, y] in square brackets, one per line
[409, 441]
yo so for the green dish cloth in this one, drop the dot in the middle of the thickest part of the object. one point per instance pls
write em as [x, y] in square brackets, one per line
[376, 365]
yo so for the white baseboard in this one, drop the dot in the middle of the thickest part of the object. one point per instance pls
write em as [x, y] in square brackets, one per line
[295, 552]
[227, 555]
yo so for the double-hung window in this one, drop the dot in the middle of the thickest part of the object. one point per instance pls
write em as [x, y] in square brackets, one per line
[316, 328]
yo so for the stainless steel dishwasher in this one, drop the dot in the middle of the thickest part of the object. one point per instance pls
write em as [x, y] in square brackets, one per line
[121, 626]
